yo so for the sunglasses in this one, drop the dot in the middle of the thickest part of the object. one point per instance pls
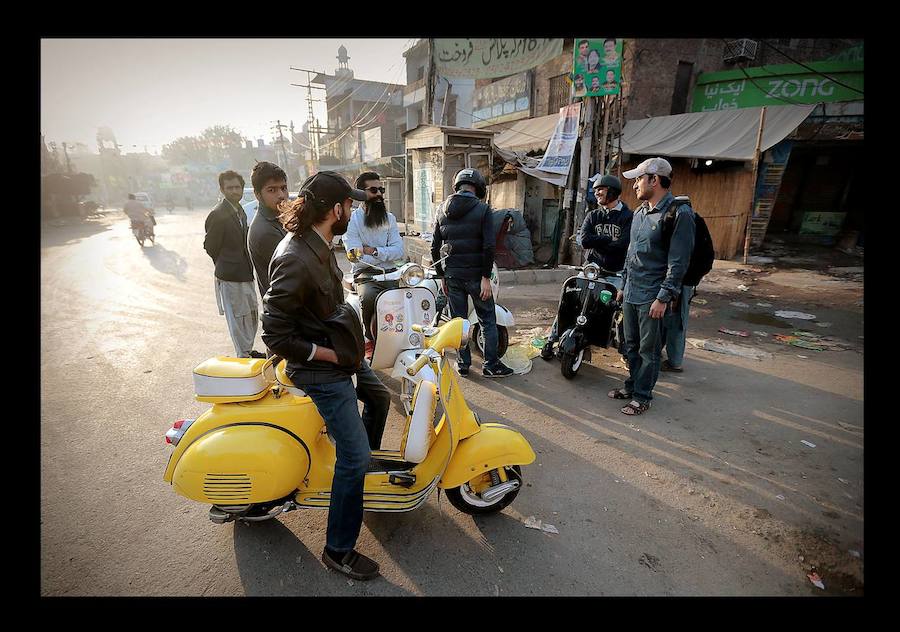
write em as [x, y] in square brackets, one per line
[374, 190]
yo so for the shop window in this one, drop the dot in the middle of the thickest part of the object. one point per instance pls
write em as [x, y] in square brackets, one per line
[559, 94]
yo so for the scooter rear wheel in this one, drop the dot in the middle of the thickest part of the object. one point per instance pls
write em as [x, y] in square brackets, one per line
[502, 340]
[469, 502]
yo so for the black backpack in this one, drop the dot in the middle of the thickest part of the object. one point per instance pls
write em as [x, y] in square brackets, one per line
[703, 254]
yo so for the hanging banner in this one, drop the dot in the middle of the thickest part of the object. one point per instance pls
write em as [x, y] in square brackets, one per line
[495, 57]
[597, 68]
[558, 157]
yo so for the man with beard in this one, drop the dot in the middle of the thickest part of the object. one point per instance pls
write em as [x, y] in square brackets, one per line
[373, 229]
[307, 322]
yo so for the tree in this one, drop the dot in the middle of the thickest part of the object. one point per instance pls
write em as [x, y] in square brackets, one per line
[219, 139]
[186, 149]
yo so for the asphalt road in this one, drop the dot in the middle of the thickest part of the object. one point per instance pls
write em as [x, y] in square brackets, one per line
[709, 493]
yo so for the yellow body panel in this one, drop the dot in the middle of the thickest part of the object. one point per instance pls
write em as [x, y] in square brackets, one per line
[495, 446]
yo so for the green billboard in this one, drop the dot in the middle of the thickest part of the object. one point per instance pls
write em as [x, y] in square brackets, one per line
[784, 84]
[597, 67]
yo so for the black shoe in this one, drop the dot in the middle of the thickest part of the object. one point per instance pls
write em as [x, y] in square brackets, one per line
[547, 352]
[500, 370]
[463, 370]
[352, 564]
[257, 354]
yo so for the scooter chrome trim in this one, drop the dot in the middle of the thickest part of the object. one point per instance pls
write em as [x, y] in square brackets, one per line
[497, 492]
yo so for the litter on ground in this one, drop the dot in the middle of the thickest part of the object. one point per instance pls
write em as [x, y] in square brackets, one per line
[797, 315]
[764, 305]
[816, 580]
[733, 332]
[700, 301]
[739, 304]
[743, 288]
[761, 333]
[805, 442]
[717, 345]
[534, 523]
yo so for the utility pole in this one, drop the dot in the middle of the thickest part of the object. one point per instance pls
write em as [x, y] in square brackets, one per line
[429, 83]
[284, 157]
[313, 124]
[756, 152]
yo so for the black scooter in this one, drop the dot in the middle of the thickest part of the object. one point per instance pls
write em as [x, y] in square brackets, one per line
[588, 315]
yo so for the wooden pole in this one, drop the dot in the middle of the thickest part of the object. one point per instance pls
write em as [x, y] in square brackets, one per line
[429, 84]
[603, 134]
[756, 152]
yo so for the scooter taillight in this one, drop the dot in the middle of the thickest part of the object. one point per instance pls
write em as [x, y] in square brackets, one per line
[173, 436]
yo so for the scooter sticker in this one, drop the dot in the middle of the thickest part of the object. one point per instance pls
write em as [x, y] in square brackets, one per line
[409, 295]
[399, 328]
[385, 327]
[426, 305]
[389, 318]
[399, 318]
[425, 317]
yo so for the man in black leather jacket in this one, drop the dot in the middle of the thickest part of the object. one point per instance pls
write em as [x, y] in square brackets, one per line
[307, 322]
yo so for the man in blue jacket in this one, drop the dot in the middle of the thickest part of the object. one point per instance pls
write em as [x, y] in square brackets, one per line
[605, 233]
[654, 271]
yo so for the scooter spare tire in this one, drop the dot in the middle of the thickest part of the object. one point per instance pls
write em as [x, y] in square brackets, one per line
[502, 340]
[467, 501]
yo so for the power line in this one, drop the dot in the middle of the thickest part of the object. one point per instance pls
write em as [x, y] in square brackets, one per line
[822, 74]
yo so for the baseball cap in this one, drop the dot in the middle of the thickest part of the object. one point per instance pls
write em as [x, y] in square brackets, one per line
[329, 187]
[654, 166]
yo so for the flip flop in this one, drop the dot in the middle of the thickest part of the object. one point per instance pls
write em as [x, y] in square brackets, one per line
[634, 408]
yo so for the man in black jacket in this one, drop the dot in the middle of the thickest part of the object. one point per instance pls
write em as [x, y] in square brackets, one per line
[270, 187]
[226, 244]
[307, 322]
[464, 221]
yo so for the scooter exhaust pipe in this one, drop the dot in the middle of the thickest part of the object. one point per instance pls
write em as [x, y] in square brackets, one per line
[498, 491]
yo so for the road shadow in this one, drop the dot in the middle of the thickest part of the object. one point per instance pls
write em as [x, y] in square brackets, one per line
[166, 261]
[69, 231]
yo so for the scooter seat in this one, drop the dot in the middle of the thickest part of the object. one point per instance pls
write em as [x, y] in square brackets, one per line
[283, 380]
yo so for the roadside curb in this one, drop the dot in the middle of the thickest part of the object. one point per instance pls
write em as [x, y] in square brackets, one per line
[535, 277]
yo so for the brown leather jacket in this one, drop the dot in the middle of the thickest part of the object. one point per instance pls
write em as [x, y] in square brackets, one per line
[304, 305]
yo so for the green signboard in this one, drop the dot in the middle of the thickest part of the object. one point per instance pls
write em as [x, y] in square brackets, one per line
[784, 84]
[597, 68]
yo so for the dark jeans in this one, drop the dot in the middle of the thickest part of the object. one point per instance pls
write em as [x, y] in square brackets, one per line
[368, 294]
[643, 345]
[675, 327]
[460, 290]
[376, 399]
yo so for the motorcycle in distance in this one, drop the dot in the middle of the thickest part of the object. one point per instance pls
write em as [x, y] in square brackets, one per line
[588, 315]
[396, 345]
[144, 231]
[504, 317]
[263, 449]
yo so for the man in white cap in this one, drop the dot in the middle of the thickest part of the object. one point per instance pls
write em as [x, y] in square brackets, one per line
[654, 268]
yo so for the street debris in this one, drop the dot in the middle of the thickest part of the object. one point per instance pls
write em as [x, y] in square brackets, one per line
[700, 301]
[797, 315]
[843, 480]
[653, 476]
[816, 580]
[650, 561]
[739, 304]
[732, 271]
[518, 358]
[743, 288]
[823, 324]
[854, 553]
[805, 442]
[804, 357]
[538, 343]
[718, 345]
[761, 333]
[733, 332]
[533, 523]
[850, 427]
[764, 305]
[780, 497]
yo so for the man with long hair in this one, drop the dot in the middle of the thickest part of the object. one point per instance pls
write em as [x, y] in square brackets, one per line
[307, 322]
[373, 229]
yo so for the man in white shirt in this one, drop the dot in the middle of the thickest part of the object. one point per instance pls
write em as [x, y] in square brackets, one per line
[373, 229]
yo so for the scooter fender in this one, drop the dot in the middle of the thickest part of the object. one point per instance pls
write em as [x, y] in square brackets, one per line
[504, 316]
[247, 462]
[405, 360]
[572, 341]
[496, 445]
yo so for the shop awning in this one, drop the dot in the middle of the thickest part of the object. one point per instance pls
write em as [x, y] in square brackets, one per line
[527, 135]
[724, 134]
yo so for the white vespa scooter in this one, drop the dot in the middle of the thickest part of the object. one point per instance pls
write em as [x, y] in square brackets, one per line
[397, 346]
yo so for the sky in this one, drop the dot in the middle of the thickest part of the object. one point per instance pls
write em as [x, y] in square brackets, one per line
[151, 91]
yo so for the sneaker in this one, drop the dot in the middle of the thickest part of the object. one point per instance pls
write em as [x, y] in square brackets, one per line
[352, 564]
[370, 349]
[500, 370]
[257, 354]
[463, 370]
[667, 366]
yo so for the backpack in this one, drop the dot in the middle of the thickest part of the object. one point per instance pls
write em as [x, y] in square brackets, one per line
[703, 254]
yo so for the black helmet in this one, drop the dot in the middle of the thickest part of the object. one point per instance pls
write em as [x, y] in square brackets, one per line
[610, 181]
[473, 177]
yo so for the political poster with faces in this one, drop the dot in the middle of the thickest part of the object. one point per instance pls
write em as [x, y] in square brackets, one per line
[597, 68]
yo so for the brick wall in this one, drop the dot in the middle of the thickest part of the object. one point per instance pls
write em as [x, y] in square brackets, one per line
[542, 75]
[415, 248]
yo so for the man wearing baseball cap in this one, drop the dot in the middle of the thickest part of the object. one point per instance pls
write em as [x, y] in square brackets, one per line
[653, 274]
[307, 322]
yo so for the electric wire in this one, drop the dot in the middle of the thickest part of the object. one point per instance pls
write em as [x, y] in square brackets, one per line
[813, 70]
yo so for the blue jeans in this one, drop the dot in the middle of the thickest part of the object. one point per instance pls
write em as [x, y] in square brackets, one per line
[337, 405]
[460, 290]
[675, 327]
[643, 345]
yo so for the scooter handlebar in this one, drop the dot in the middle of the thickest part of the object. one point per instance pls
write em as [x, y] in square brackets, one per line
[417, 328]
[416, 366]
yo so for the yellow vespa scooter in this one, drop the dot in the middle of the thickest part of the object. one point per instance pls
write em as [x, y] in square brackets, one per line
[263, 449]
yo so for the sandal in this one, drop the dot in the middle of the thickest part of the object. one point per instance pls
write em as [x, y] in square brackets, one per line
[619, 394]
[634, 408]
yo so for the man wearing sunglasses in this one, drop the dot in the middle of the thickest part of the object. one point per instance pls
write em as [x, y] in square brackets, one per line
[373, 229]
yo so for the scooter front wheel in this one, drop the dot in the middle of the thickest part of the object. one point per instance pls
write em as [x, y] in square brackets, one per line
[469, 501]
[569, 363]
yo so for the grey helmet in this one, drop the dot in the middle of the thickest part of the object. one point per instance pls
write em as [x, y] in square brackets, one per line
[473, 177]
[612, 182]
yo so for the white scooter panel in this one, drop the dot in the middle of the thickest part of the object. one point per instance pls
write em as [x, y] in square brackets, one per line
[396, 310]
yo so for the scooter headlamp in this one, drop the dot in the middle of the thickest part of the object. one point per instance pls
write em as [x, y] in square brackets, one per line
[592, 271]
[413, 275]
